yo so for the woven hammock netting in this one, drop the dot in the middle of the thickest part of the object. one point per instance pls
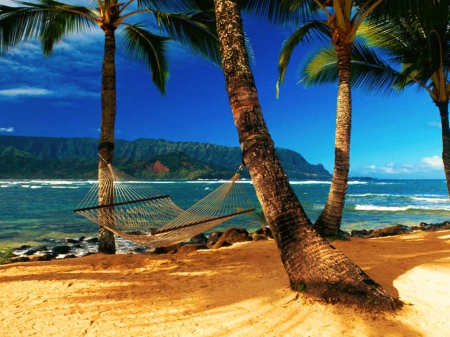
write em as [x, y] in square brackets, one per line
[136, 211]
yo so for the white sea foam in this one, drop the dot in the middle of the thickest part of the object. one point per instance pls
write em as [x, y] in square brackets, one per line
[310, 182]
[372, 195]
[53, 182]
[431, 199]
[381, 208]
[324, 182]
[357, 182]
[400, 208]
[65, 187]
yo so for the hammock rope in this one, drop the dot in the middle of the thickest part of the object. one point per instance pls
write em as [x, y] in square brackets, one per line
[142, 214]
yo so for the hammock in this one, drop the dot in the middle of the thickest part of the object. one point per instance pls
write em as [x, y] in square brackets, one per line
[140, 213]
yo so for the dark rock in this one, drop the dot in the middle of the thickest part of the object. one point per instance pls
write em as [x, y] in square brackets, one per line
[70, 256]
[233, 235]
[42, 257]
[220, 244]
[20, 259]
[425, 227]
[71, 240]
[166, 250]
[446, 225]
[136, 232]
[213, 238]
[388, 231]
[61, 249]
[41, 248]
[359, 233]
[268, 232]
[190, 248]
[258, 237]
[199, 239]
[91, 240]
[30, 252]
[45, 257]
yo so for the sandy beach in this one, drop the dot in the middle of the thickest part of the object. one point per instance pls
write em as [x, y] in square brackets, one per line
[240, 290]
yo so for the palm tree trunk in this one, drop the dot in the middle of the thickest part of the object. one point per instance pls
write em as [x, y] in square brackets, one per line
[329, 221]
[106, 241]
[311, 263]
[443, 111]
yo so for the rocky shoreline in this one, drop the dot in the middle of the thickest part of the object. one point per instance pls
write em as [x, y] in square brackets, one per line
[79, 247]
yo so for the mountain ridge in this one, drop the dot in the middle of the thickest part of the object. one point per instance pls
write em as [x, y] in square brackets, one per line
[62, 150]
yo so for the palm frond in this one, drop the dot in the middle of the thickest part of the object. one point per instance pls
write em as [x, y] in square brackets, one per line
[306, 8]
[46, 20]
[320, 68]
[428, 10]
[372, 73]
[148, 48]
[275, 11]
[176, 6]
[420, 48]
[369, 71]
[195, 31]
[305, 34]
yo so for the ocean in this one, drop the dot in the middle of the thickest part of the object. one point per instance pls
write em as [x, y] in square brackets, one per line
[35, 211]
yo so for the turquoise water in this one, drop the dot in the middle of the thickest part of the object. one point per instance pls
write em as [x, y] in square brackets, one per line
[32, 211]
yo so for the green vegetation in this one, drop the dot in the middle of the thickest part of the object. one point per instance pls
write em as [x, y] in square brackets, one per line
[301, 287]
[76, 158]
[6, 255]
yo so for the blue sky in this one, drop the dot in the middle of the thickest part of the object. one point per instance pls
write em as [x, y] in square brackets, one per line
[398, 136]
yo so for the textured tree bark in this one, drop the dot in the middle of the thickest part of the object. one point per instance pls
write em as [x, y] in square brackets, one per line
[311, 263]
[329, 221]
[443, 111]
[106, 241]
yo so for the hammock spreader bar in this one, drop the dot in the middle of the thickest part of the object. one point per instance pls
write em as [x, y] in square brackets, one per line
[160, 231]
[120, 203]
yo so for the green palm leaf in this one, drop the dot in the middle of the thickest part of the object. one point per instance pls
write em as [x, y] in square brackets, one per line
[429, 10]
[46, 20]
[369, 71]
[305, 34]
[148, 48]
[195, 31]
[276, 11]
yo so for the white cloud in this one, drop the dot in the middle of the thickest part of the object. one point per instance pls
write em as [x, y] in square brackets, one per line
[25, 91]
[425, 165]
[67, 91]
[434, 163]
[9, 129]
[435, 124]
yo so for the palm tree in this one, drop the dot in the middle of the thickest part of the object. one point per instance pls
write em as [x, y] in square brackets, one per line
[341, 23]
[311, 263]
[50, 21]
[415, 51]
[421, 51]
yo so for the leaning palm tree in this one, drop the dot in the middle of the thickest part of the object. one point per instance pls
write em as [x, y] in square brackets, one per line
[340, 22]
[50, 21]
[398, 53]
[311, 263]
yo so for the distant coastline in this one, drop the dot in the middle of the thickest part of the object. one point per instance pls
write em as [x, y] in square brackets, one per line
[76, 158]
